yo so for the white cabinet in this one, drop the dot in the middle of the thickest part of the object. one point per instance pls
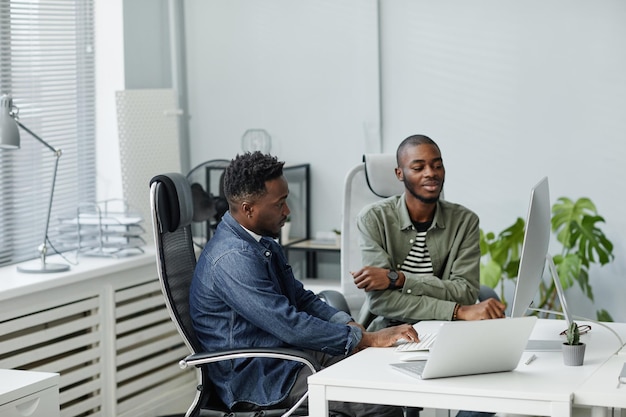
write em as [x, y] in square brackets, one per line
[103, 327]
[28, 394]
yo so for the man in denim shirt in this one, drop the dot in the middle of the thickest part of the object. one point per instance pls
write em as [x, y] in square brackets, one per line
[244, 294]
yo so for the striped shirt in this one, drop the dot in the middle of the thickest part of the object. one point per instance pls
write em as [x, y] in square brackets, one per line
[418, 260]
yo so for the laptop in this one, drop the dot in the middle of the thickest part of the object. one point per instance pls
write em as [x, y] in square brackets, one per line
[473, 347]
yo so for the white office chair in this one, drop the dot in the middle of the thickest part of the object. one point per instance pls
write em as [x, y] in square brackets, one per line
[366, 183]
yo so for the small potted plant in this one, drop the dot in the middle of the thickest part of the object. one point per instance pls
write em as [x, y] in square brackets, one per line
[573, 349]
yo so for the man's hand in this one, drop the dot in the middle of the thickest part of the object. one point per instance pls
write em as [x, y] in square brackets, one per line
[370, 278]
[487, 309]
[388, 336]
[359, 325]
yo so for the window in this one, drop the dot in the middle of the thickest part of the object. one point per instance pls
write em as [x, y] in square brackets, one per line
[47, 66]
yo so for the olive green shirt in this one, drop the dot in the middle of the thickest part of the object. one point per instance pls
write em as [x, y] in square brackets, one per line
[386, 237]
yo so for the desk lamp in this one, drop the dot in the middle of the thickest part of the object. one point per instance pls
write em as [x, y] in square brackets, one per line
[10, 139]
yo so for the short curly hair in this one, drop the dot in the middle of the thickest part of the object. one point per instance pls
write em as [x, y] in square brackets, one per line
[245, 176]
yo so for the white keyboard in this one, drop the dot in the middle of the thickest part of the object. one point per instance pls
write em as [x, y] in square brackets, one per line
[426, 341]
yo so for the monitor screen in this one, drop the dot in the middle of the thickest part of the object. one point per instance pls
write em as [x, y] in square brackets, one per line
[534, 248]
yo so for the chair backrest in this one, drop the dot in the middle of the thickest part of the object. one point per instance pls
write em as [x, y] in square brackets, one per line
[172, 211]
[366, 183]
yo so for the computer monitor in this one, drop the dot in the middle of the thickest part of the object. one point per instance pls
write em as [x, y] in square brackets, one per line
[534, 248]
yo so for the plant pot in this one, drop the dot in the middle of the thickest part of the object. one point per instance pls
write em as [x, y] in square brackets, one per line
[573, 355]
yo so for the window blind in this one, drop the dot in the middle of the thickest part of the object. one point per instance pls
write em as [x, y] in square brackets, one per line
[47, 66]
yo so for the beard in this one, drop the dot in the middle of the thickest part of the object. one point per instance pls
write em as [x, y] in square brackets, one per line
[423, 199]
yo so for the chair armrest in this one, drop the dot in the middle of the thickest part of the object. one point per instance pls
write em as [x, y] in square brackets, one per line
[202, 358]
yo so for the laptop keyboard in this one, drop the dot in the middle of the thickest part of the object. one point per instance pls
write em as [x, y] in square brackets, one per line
[426, 341]
[414, 369]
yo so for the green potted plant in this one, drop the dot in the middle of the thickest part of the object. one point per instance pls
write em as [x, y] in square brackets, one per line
[573, 348]
[583, 243]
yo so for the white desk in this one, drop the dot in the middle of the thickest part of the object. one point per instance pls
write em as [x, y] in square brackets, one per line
[600, 390]
[25, 393]
[545, 387]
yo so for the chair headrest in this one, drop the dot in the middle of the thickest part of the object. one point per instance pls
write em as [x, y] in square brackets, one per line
[174, 200]
[380, 174]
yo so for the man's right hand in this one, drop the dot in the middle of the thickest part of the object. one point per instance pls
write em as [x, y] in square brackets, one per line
[388, 336]
[370, 278]
[486, 309]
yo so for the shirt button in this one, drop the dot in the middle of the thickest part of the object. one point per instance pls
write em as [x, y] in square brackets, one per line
[410, 240]
[268, 253]
[408, 291]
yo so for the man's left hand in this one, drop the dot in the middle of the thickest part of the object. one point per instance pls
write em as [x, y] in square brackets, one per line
[372, 278]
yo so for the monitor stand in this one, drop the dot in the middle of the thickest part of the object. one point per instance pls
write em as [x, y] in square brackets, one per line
[544, 345]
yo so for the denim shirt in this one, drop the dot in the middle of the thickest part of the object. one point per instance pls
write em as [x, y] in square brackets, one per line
[240, 298]
[386, 237]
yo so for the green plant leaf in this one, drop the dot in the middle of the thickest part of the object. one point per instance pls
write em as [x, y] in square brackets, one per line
[512, 268]
[508, 246]
[576, 227]
[592, 242]
[500, 255]
[484, 242]
[571, 269]
[566, 212]
[603, 315]
[568, 267]
[490, 273]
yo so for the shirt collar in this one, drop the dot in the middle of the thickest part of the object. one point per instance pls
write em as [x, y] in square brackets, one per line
[405, 219]
[254, 235]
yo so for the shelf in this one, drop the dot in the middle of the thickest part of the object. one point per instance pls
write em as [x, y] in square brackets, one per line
[311, 247]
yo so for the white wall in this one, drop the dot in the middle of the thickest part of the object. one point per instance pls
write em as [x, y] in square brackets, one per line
[511, 91]
[304, 71]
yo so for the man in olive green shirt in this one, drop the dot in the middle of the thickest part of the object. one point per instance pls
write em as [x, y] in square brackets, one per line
[421, 254]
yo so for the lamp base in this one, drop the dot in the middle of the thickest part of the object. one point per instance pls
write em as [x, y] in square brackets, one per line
[43, 268]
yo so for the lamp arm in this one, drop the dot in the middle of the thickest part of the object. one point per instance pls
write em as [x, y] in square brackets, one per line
[46, 144]
[57, 153]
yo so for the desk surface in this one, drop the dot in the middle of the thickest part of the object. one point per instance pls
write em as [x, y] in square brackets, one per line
[15, 384]
[544, 387]
[601, 389]
[14, 283]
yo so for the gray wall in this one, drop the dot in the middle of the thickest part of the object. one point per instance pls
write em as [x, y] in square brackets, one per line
[511, 90]
[147, 52]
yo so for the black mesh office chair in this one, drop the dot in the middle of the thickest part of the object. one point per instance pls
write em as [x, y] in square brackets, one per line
[172, 212]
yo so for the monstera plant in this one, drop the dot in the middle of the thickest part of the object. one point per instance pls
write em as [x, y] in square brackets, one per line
[575, 225]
